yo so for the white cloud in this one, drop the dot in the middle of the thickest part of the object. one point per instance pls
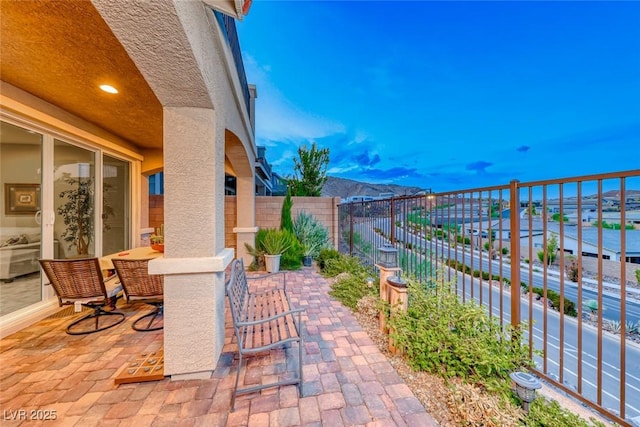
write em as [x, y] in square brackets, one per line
[277, 118]
[344, 169]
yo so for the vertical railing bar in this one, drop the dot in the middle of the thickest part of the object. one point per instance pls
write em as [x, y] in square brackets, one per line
[530, 272]
[464, 248]
[481, 247]
[501, 264]
[472, 246]
[562, 267]
[490, 238]
[545, 271]
[455, 252]
[434, 221]
[580, 314]
[392, 226]
[600, 285]
[449, 243]
[443, 259]
[351, 222]
[623, 293]
[514, 203]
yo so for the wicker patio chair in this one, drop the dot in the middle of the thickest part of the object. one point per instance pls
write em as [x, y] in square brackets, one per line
[81, 280]
[139, 285]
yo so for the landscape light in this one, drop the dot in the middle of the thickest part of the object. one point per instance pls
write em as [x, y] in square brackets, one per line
[388, 256]
[526, 386]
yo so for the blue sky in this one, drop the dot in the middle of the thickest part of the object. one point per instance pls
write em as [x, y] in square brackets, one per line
[447, 95]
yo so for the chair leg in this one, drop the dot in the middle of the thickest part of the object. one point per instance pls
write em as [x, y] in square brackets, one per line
[97, 313]
[153, 315]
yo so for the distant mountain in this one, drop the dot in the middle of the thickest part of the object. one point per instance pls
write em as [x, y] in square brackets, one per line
[341, 187]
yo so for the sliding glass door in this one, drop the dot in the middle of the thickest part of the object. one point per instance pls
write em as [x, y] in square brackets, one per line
[116, 233]
[74, 187]
[60, 200]
[20, 225]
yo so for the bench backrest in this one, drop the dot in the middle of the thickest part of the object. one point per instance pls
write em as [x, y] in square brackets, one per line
[237, 290]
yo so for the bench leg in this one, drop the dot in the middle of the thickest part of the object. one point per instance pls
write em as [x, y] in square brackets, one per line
[235, 390]
[300, 345]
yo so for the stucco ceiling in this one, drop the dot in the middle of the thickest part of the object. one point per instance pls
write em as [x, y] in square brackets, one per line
[61, 51]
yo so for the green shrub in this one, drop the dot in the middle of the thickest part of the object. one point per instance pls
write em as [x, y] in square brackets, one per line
[554, 297]
[442, 335]
[465, 241]
[292, 258]
[544, 412]
[638, 276]
[326, 254]
[505, 251]
[352, 287]
[351, 284]
[342, 264]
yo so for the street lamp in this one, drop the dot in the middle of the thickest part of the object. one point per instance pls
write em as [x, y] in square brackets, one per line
[526, 386]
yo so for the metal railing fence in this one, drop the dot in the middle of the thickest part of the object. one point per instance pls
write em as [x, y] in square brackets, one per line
[560, 255]
[228, 26]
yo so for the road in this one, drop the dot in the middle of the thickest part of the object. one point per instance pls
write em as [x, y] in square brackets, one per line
[563, 358]
[610, 302]
[608, 383]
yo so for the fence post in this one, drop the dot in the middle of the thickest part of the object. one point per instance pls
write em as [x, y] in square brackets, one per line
[514, 220]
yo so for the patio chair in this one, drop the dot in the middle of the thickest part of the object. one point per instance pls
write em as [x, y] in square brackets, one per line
[139, 285]
[81, 281]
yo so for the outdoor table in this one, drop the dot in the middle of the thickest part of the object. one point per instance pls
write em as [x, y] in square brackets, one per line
[144, 252]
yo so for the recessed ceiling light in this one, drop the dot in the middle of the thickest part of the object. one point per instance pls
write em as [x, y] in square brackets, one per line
[109, 88]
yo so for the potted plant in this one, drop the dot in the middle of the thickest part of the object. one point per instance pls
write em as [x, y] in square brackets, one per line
[77, 213]
[274, 243]
[157, 239]
[312, 235]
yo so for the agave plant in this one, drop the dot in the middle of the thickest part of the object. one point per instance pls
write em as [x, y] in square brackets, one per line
[312, 235]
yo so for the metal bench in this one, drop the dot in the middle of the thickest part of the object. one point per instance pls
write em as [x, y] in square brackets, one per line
[262, 321]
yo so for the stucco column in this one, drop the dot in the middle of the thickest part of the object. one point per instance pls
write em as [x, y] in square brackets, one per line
[194, 258]
[245, 217]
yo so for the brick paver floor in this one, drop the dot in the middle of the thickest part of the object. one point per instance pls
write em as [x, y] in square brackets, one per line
[347, 381]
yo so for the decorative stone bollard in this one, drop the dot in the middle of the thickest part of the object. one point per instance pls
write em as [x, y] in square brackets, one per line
[398, 299]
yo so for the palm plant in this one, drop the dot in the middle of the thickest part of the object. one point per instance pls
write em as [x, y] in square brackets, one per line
[276, 242]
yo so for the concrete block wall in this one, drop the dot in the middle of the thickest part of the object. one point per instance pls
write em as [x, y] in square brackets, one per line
[324, 209]
[230, 215]
[268, 210]
[156, 211]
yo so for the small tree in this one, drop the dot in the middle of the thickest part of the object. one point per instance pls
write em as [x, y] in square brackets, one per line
[552, 248]
[77, 213]
[309, 171]
[286, 221]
